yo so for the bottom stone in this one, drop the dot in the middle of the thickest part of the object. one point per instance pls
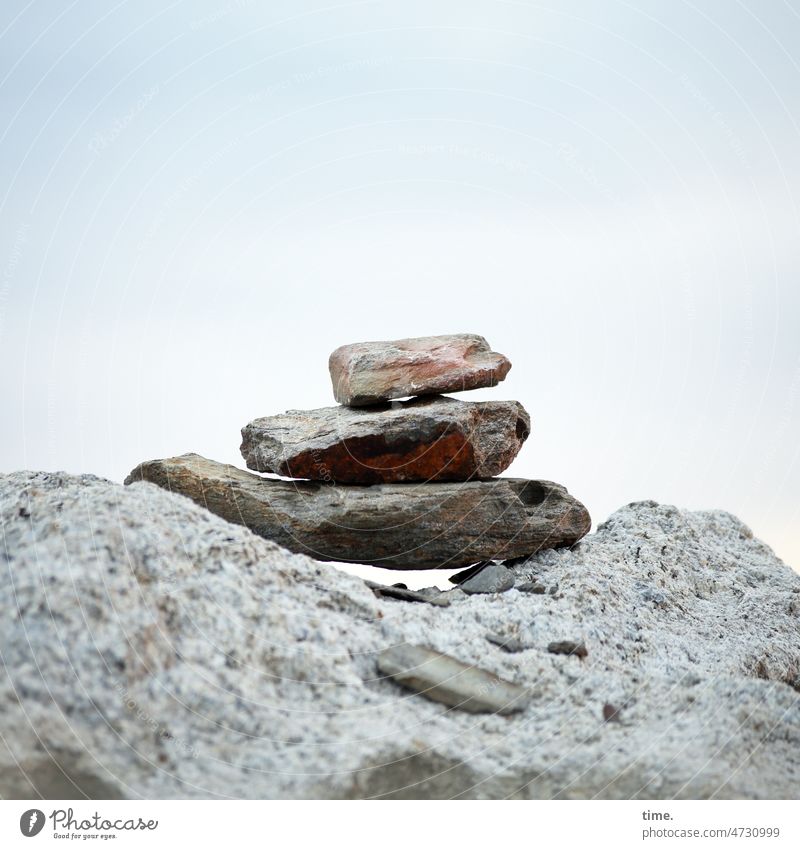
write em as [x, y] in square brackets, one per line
[397, 526]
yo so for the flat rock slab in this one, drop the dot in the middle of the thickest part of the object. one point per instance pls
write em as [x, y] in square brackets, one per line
[402, 593]
[444, 679]
[425, 439]
[492, 578]
[397, 526]
[371, 372]
[461, 576]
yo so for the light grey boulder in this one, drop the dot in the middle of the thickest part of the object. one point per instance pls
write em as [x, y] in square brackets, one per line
[152, 650]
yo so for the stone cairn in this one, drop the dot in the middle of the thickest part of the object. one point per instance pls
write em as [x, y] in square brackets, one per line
[402, 484]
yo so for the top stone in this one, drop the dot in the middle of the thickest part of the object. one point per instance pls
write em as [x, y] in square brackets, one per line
[372, 372]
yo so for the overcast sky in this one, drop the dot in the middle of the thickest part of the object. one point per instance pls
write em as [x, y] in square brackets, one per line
[201, 200]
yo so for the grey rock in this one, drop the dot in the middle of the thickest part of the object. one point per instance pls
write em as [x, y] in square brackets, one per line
[444, 679]
[531, 587]
[403, 593]
[397, 526]
[152, 650]
[443, 596]
[492, 578]
[371, 372]
[458, 577]
[567, 647]
[425, 439]
[510, 644]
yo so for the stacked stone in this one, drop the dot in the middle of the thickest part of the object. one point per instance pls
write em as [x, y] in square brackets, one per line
[407, 484]
[375, 438]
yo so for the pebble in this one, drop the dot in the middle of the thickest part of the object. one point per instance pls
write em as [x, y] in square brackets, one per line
[531, 587]
[492, 578]
[402, 593]
[510, 644]
[568, 647]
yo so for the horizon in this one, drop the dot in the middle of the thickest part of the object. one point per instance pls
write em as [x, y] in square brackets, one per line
[197, 215]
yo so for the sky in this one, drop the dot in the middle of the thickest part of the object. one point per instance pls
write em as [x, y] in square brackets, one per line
[200, 201]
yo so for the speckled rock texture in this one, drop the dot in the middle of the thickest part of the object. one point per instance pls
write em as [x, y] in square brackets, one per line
[424, 439]
[372, 372]
[394, 525]
[151, 649]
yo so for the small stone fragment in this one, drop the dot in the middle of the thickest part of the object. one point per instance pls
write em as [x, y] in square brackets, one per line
[424, 439]
[371, 372]
[610, 713]
[461, 576]
[568, 647]
[531, 587]
[444, 679]
[492, 578]
[402, 593]
[446, 597]
[510, 644]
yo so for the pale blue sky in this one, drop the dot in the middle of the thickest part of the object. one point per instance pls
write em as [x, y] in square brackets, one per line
[201, 200]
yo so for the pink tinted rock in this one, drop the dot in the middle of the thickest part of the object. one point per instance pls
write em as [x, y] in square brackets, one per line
[371, 372]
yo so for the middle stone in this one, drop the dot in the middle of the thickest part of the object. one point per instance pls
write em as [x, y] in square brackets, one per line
[424, 439]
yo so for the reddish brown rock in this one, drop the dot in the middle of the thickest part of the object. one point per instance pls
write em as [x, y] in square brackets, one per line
[394, 525]
[372, 372]
[425, 439]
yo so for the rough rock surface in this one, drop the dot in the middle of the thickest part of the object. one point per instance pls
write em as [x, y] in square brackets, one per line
[425, 439]
[371, 372]
[151, 649]
[397, 526]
